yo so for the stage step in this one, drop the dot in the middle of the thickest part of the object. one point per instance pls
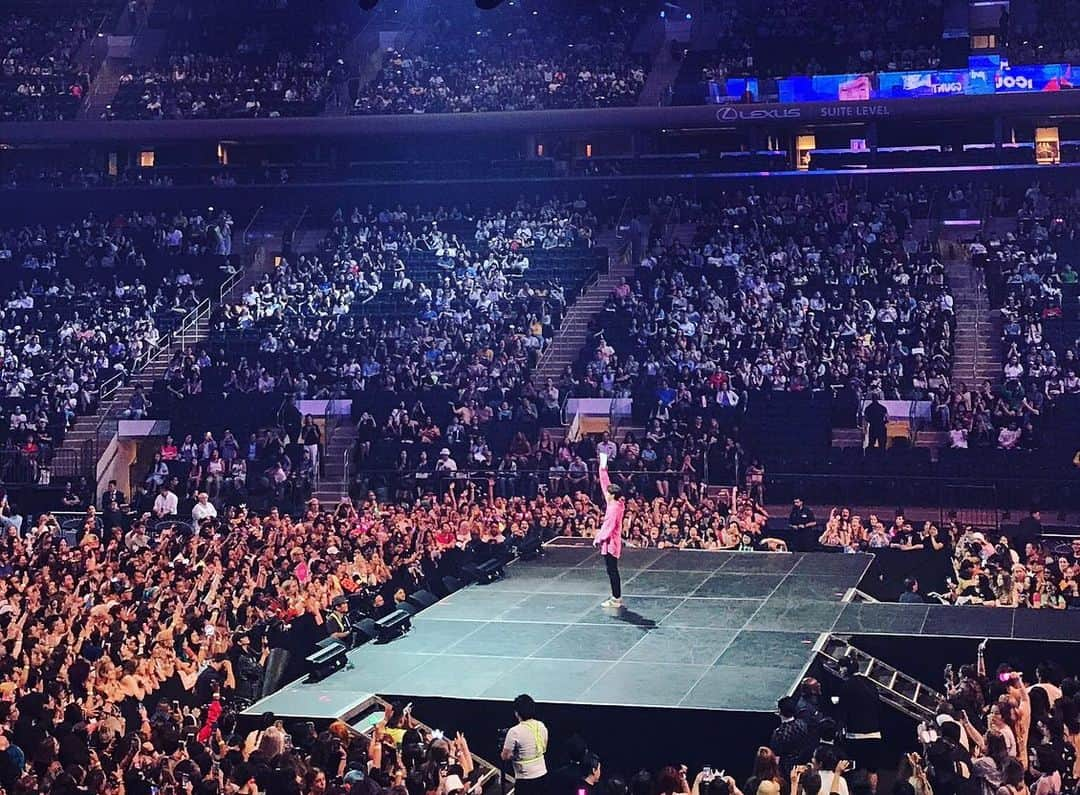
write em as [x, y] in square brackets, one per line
[895, 688]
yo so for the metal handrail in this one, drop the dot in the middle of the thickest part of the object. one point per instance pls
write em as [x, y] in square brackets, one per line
[299, 224]
[165, 345]
[251, 223]
[619, 225]
[231, 282]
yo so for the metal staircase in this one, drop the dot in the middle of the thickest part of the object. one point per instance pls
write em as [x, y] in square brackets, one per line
[894, 687]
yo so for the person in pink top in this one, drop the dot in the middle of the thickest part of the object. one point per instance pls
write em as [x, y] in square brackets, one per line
[609, 538]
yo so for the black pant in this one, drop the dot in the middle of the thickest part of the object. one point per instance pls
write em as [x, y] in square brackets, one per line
[531, 786]
[612, 564]
[878, 437]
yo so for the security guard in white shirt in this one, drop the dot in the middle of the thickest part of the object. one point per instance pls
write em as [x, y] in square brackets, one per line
[525, 745]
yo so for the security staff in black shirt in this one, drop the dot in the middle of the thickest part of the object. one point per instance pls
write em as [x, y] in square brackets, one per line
[801, 518]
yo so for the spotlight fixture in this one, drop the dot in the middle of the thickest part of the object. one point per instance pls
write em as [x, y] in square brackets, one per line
[487, 5]
[367, 5]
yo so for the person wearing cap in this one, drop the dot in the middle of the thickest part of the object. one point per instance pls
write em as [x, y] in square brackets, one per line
[446, 466]
[525, 745]
[338, 622]
[445, 462]
[609, 537]
[203, 509]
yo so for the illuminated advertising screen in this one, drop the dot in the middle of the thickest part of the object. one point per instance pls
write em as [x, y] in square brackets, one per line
[981, 78]
[903, 85]
[1047, 77]
[827, 88]
[734, 88]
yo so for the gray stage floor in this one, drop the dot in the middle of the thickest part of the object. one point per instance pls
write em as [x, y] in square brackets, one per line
[706, 630]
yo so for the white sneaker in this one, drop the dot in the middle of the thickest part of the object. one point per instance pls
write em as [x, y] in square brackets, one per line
[612, 602]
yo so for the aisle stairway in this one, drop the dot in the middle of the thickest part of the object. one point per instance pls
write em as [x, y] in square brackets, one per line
[571, 337]
[977, 355]
[103, 89]
[89, 435]
[334, 478]
[662, 74]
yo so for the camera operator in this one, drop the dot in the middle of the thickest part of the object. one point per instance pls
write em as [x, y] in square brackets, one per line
[525, 745]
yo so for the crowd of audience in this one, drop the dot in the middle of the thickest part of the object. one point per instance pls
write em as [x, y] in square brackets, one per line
[243, 60]
[40, 76]
[131, 647]
[957, 564]
[780, 38]
[124, 637]
[530, 56]
[1032, 280]
[351, 317]
[1005, 731]
[781, 291]
[1055, 38]
[70, 322]
[247, 85]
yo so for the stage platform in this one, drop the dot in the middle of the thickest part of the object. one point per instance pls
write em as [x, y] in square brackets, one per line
[701, 630]
[711, 630]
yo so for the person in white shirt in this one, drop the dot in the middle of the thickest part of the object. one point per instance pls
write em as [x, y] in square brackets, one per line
[165, 503]
[203, 509]
[607, 447]
[445, 462]
[525, 745]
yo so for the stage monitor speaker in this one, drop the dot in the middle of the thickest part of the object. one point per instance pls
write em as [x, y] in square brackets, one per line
[528, 547]
[490, 570]
[366, 629]
[451, 584]
[393, 625]
[329, 656]
[423, 599]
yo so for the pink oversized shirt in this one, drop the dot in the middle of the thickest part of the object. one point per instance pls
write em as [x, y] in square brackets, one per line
[609, 539]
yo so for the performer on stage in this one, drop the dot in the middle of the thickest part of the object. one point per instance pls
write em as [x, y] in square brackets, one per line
[609, 539]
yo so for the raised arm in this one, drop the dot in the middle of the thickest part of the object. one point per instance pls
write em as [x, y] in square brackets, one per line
[605, 481]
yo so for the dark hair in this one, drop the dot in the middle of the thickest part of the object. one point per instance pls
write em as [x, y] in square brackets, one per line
[996, 747]
[910, 583]
[786, 707]
[668, 781]
[641, 783]
[1012, 773]
[525, 707]
[826, 757]
[718, 786]
[589, 763]
[1048, 759]
[811, 782]
[902, 787]
[950, 730]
